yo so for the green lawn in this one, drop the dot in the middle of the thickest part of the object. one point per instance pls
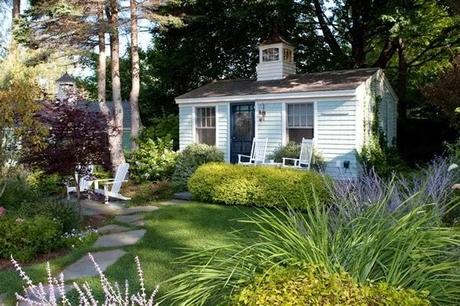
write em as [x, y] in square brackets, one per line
[170, 232]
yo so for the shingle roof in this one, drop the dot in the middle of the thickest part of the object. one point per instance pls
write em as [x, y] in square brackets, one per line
[324, 81]
[274, 39]
[66, 78]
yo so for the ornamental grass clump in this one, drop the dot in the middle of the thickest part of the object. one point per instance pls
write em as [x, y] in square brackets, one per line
[54, 293]
[404, 248]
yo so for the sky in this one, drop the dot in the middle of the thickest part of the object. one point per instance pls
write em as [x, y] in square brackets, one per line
[145, 38]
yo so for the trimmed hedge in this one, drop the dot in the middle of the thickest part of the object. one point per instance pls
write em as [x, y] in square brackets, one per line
[258, 186]
[314, 286]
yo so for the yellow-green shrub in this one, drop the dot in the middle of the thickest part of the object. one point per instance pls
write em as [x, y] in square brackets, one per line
[314, 286]
[259, 186]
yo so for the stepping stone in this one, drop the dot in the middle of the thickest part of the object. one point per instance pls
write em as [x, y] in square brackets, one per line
[129, 219]
[120, 239]
[112, 229]
[139, 223]
[91, 208]
[137, 210]
[84, 267]
[33, 298]
[186, 196]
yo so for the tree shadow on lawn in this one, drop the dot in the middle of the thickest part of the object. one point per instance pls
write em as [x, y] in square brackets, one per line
[172, 231]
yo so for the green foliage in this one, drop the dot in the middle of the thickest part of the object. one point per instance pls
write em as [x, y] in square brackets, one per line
[154, 160]
[315, 286]
[17, 191]
[377, 153]
[62, 212]
[148, 193]
[25, 238]
[166, 126]
[45, 184]
[190, 159]
[405, 248]
[292, 150]
[258, 186]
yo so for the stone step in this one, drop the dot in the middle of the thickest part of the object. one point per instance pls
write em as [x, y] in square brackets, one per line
[112, 229]
[136, 210]
[129, 219]
[119, 239]
[84, 267]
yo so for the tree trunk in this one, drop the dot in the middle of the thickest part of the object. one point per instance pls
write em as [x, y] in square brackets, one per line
[135, 72]
[16, 9]
[402, 81]
[102, 79]
[116, 141]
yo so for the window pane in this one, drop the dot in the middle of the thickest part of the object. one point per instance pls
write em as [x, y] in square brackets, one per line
[296, 135]
[270, 54]
[300, 115]
[206, 136]
[206, 125]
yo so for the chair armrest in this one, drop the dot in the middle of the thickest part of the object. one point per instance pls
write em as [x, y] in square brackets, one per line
[113, 182]
[241, 155]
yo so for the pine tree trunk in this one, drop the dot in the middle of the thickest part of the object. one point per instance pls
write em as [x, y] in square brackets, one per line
[16, 8]
[102, 78]
[135, 72]
[116, 142]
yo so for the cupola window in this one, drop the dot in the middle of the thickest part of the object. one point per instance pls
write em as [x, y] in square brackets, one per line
[287, 55]
[270, 54]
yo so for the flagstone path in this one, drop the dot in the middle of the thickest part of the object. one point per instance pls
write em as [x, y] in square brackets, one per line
[114, 237]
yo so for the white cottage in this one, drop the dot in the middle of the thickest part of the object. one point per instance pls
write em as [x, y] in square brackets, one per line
[334, 108]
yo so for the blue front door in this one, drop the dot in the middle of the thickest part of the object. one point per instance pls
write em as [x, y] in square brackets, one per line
[242, 129]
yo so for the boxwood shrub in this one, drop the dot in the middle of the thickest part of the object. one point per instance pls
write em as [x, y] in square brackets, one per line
[314, 286]
[190, 159]
[258, 186]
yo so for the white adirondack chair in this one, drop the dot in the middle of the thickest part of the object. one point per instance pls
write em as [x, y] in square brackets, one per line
[306, 155]
[258, 152]
[115, 183]
[85, 183]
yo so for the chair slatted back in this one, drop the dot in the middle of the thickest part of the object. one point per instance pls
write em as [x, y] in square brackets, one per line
[259, 150]
[120, 176]
[306, 151]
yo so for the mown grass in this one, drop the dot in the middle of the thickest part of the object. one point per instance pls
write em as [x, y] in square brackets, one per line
[171, 232]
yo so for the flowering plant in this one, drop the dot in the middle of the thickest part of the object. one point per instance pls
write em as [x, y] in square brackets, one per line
[55, 292]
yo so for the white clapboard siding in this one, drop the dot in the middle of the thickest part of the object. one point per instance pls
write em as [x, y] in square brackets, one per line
[335, 136]
[223, 119]
[185, 126]
[271, 126]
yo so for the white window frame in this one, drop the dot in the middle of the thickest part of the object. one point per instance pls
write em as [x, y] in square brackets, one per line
[285, 121]
[194, 115]
[280, 54]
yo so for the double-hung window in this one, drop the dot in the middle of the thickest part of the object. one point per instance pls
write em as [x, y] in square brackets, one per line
[300, 121]
[205, 124]
[270, 55]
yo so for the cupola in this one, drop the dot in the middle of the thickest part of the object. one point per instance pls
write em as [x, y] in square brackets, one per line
[276, 59]
[65, 85]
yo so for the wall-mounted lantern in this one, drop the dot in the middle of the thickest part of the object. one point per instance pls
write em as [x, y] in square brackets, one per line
[262, 112]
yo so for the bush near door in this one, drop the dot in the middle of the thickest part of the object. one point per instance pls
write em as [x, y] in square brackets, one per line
[258, 186]
[190, 159]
